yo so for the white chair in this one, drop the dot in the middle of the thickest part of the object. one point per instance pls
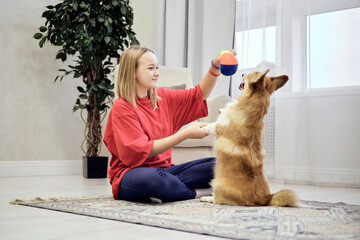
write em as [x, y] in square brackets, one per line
[175, 77]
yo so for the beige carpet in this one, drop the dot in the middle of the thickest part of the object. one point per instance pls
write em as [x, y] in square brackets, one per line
[314, 220]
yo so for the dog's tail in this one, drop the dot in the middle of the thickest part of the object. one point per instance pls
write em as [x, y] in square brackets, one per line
[284, 198]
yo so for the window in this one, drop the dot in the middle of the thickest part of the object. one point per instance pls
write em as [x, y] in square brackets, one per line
[333, 49]
[255, 46]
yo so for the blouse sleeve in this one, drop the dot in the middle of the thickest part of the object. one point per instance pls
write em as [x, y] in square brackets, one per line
[186, 106]
[130, 143]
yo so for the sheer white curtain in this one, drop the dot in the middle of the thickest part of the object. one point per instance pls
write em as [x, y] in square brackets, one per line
[192, 32]
[259, 30]
[311, 135]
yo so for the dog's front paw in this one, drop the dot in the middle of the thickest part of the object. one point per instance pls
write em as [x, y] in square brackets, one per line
[209, 199]
[210, 128]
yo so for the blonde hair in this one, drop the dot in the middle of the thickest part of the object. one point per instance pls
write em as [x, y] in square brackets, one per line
[126, 80]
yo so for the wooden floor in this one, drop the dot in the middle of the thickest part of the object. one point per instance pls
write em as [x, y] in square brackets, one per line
[19, 222]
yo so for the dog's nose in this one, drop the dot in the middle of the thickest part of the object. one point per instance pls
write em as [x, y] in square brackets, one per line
[243, 75]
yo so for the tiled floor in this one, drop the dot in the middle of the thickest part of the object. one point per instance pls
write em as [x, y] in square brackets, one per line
[19, 222]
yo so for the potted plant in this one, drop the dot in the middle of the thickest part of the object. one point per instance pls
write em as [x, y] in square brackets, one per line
[93, 32]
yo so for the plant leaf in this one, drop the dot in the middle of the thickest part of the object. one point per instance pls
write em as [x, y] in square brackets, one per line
[81, 89]
[101, 19]
[83, 5]
[59, 55]
[123, 10]
[42, 41]
[75, 108]
[83, 96]
[77, 75]
[109, 28]
[42, 29]
[102, 86]
[81, 19]
[94, 88]
[37, 35]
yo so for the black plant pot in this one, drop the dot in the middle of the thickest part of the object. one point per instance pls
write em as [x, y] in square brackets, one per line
[95, 167]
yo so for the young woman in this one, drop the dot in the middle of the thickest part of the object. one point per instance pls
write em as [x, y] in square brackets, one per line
[143, 126]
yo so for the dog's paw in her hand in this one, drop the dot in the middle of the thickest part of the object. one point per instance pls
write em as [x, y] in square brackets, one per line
[210, 128]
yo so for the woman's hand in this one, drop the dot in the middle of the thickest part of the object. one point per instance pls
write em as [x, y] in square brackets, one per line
[194, 131]
[216, 61]
[207, 84]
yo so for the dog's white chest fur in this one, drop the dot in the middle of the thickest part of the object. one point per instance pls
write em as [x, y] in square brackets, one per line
[222, 120]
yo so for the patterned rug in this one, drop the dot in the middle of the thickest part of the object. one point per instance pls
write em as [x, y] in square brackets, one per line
[314, 220]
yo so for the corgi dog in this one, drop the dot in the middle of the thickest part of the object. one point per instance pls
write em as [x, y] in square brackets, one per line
[239, 177]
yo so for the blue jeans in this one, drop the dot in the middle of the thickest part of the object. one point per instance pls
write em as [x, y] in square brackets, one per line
[167, 184]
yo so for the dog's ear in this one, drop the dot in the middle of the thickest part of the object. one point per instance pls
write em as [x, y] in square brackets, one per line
[279, 81]
[259, 81]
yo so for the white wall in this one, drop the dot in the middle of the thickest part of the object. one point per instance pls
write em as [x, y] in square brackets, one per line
[36, 116]
[146, 14]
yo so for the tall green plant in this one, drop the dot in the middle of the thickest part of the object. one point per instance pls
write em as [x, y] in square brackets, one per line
[94, 31]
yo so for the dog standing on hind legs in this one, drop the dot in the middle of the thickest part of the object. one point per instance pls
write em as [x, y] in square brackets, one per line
[239, 178]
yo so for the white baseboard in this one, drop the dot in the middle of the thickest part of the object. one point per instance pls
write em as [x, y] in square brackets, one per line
[333, 177]
[40, 168]
[327, 176]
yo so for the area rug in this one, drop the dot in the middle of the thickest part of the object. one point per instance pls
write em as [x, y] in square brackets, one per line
[313, 220]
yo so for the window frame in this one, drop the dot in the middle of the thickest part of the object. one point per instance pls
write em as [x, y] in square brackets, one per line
[300, 68]
[291, 37]
[308, 54]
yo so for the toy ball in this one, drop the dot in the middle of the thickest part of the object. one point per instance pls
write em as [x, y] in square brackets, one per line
[228, 63]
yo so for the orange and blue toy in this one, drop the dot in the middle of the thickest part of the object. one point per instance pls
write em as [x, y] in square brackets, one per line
[228, 63]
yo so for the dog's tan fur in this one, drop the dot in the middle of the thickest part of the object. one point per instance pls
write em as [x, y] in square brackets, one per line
[239, 177]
